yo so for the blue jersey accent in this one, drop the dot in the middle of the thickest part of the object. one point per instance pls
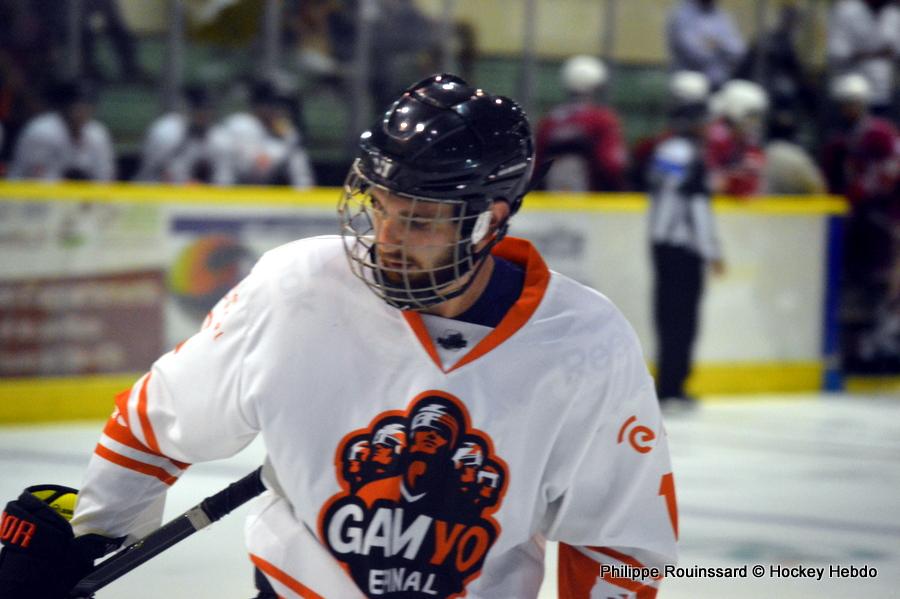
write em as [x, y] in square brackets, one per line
[501, 293]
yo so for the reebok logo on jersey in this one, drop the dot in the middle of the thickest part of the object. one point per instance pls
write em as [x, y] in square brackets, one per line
[420, 486]
[639, 436]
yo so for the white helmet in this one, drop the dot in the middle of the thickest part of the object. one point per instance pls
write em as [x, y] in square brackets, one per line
[583, 74]
[689, 87]
[851, 87]
[739, 99]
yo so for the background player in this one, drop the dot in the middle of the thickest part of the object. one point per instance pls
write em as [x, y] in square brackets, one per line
[583, 135]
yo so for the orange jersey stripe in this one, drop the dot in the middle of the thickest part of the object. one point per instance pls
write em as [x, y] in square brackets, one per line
[537, 277]
[622, 557]
[146, 427]
[578, 573]
[284, 578]
[122, 405]
[126, 462]
[123, 435]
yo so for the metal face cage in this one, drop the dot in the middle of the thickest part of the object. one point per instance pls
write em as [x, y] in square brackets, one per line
[412, 252]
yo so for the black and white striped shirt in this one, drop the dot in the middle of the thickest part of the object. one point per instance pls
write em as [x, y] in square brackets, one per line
[681, 210]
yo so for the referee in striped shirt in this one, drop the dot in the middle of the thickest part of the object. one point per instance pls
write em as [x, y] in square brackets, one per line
[684, 240]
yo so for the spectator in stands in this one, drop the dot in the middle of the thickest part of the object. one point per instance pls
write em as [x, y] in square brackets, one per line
[308, 29]
[774, 63]
[263, 146]
[686, 88]
[582, 137]
[789, 168]
[703, 37]
[99, 18]
[403, 49]
[26, 64]
[864, 37]
[863, 163]
[684, 242]
[177, 148]
[734, 144]
[860, 158]
[65, 143]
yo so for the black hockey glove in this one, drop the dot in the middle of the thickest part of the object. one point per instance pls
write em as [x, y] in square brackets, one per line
[40, 558]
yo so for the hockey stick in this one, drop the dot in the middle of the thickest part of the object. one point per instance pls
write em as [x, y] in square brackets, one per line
[200, 516]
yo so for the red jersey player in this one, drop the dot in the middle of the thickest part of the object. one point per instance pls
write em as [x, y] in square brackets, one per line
[583, 138]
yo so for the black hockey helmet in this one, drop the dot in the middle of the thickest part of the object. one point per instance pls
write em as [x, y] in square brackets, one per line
[441, 141]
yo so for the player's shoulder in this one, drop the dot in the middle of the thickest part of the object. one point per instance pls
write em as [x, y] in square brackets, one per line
[243, 123]
[48, 125]
[312, 253]
[296, 269]
[96, 131]
[169, 124]
[581, 309]
[578, 320]
[315, 261]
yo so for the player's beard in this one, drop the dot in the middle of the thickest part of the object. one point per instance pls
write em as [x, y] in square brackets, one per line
[405, 274]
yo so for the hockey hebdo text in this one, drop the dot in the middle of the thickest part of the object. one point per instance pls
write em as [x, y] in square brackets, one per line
[775, 571]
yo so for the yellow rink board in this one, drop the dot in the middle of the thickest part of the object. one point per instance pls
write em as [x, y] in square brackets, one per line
[31, 400]
[327, 197]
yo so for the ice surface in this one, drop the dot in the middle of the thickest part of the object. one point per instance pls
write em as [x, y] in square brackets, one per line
[793, 480]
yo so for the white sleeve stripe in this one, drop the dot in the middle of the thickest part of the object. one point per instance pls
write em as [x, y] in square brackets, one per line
[140, 456]
[134, 419]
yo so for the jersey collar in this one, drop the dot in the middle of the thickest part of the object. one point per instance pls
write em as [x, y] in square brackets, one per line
[537, 277]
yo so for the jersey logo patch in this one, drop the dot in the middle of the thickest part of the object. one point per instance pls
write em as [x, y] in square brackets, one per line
[452, 340]
[419, 489]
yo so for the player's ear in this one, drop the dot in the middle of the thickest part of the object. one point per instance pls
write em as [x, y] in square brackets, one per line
[499, 213]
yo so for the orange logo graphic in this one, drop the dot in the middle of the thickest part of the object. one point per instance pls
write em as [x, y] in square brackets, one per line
[640, 437]
[420, 487]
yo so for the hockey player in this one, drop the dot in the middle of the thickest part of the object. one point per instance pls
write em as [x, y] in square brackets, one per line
[65, 142]
[582, 137]
[262, 146]
[177, 148]
[540, 423]
[862, 161]
[734, 149]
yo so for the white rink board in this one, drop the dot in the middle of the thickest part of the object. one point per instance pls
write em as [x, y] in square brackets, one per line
[768, 308]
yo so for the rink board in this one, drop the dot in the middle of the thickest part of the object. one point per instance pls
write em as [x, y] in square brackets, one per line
[96, 278]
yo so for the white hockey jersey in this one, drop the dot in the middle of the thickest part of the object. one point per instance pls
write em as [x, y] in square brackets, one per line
[406, 470]
[245, 152]
[171, 154]
[47, 151]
